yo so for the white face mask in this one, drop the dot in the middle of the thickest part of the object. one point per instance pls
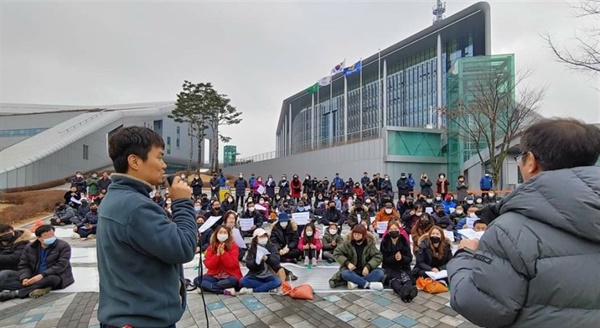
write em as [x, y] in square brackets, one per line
[491, 195]
[459, 212]
[309, 233]
[419, 214]
[261, 201]
[469, 202]
[333, 231]
[222, 237]
[479, 201]
[388, 210]
[251, 209]
[438, 198]
[283, 224]
[263, 241]
[473, 215]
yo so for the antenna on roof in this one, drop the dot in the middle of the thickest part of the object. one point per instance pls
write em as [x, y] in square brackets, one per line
[438, 11]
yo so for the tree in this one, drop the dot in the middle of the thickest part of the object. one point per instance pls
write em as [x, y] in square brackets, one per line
[493, 110]
[222, 113]
[586, 55]
[192, 106]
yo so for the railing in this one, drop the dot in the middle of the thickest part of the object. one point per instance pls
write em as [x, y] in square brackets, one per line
[81, 122]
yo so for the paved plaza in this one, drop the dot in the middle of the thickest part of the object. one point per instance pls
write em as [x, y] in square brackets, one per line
[76, 306]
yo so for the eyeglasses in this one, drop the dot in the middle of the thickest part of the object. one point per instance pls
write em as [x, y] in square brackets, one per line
[519, 157]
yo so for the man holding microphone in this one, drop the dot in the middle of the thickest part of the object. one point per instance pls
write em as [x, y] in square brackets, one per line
[141, 252]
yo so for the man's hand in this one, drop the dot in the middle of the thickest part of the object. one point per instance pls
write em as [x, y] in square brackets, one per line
[253, 227]
[75, 229]
[36, 278]
[351, 267]
[365, 271]
[264, 258]
[179, 189]
[435, 270]
[398, 256]
[471, 244]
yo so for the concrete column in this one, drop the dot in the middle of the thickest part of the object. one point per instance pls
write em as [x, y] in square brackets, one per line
[439, 81]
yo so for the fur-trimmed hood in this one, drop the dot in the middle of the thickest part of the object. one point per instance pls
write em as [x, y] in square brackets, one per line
[292, 224]
[23, 236]
[425, 237]
[370, 236]
[353, 208]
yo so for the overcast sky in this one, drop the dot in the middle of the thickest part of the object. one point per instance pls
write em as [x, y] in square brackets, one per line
[259, 53]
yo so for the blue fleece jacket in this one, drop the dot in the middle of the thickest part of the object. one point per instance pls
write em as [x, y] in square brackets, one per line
[140, 256]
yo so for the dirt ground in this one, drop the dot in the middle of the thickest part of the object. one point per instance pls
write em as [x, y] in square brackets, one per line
[3, 206]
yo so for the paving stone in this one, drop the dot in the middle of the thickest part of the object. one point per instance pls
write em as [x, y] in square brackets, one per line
[405, 321]
[345, 316]
[448, 311]
[443, 325]
[283, 324]
[382, 322]
[233, 324]
[434, 314]
[248, 319]
[270, 319]
[220, 312]
[428, 321]
[51, 323]
[358, 322]
[226, 318]
[334, 310]
[352, 297]
[367, 315]
[467, 324]
[293, 319]
[355, 309]
[389, 314]
[275, 306]
[257, 325]
[434, 305]
[236, 307]
[451, 321]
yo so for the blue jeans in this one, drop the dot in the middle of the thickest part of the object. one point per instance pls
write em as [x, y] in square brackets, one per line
[214, 285]
[373, 276]
[261, 284]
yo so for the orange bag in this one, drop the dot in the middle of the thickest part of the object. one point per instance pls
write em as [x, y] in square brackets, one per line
[300, 292]
[431, 286]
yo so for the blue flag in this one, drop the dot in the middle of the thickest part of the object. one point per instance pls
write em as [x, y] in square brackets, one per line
[356, 67]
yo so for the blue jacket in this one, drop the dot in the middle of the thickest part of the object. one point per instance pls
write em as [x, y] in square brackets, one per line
[140, 256]
[339, 182]
[486, 183]
[240, 186]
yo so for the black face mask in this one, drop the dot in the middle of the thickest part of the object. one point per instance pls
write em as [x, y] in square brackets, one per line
[94, 210]
[394, 234]
[424, 223]
[435, 239]
[441, 212]
[7, 237]
[217, 209]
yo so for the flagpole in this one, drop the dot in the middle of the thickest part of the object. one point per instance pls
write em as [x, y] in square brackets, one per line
[360, 111]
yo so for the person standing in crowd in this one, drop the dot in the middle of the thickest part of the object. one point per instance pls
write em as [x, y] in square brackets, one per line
[386, 186]
[426, 186]
[442, 185]
[411, 184]
[136, 236]
[45, 264]
[296, 187]
[486, 184]
[284, 186]
[461, 189]
[12, 243]
[104, 182]
[257, 187]
[359, 262]
[223, 272]
[270, 186]
[338, 182]
[251, 180]
[435, 251]
[395, 249]
[215, 186]
[403, 185]
[79, 182]
[546, 230]
[197, 186]
[307, 187]
[331, 240]
[364, 181]
[93, 188]
[260, 277]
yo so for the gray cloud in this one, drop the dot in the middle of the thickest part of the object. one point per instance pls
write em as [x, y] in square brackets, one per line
[87, 53]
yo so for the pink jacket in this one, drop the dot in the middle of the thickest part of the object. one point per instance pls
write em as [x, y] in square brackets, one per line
[317, 240]
[255, 187]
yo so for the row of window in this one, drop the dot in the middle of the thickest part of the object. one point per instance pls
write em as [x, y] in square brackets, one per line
[16, 133]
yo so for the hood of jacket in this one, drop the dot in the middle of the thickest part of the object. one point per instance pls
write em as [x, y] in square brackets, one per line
[370, 237]
[353, 208]
[291, 223]
[567, 200]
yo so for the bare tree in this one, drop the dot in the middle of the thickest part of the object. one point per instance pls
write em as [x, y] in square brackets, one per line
[493, 110]
[586, 54]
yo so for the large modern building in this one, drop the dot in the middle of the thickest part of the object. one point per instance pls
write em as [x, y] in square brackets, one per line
[387, 116]
[40, 143]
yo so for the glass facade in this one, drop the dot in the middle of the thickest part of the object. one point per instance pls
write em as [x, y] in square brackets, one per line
[18, 133]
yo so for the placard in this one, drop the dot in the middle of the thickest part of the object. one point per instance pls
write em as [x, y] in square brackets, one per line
[428, 210]
[358, 218]
[449, 235]
[246, 223]
[260, 190]
[301, 218]
[209, 223]
[471, 221]
[381, 227]
[239, 240]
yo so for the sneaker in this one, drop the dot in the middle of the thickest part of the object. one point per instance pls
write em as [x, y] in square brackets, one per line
[75, 236]
[274, 291]
[331, 284]
[306, 261]
[314, 262]
[329, 261]
[351, 285]
[245, 290]
[7, 295]
[36, 293]
[229, 292]
[92, 236]
[376, 286]
[413, 293]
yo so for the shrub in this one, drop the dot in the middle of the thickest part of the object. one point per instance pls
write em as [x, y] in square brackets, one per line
[28, 204]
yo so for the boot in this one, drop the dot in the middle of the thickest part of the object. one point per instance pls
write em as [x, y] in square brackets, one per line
[7, 295]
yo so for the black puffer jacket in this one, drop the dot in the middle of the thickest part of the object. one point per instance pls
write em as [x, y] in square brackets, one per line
[11, 253]
[281, 237]
[58, 261]
[537, 264]
[389, 250]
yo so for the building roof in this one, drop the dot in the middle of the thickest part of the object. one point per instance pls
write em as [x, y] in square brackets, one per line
[19, 109]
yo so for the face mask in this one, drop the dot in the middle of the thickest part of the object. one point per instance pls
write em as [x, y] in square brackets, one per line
[358, 241]
[307, 177]
[241, 176]
[469, 202]
[424, 223]
[251, 209]
[7, 237]
[491, 195]
[230, 199]
[479, 201]
[333, 231]
[368, 201]
[49, 241]
[222, 237]
[438, 198]
[394, 234]
[270, 179]
[336, 198]
[217, 209]
[429, 200]
[473, 215]
[301, 209]
[435, 239]
[442, 177]
[332, 207]
[441, 212]
[263, 241]
[197, 208]
[283, 224]
[388, 210]
[183, 177]
[261, 201]
[309, 233]
[79, 175]
[94, 176]
[419, 214]
[94, 210]
[459, 212]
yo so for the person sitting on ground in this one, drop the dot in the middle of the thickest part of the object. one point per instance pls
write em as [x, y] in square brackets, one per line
[479, 226]
[441, 218]
[223, 273]
[72, 196]
[310, 244]
[435, 251]
[87, 228]
[449, 204]
[285, 237]
[331, 240]
[63, 215]
[229, 203]
[303, 207]
[395, 248]
[386, 214]
[402, 205]
[359, 261]
[12, 243]
[458, 214]
[100, 197]
[260, 277]
[256, 216]
[467, 221]
[263, 206]
[44, 265]
[359, 212]
[331, 214]
[285, 207]
[422, 228]
[83, 209]
[158, 199]
[411, 218]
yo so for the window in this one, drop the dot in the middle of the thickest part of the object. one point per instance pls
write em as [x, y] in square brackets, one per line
[178, 137]
[168, 145]
[86, 152]
[20, 132]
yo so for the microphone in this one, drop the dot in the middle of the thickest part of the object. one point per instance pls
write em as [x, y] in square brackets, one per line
[170, 179]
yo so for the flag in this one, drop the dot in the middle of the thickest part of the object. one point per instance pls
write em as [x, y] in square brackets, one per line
[325, 81]
[338, 68]
[313, 88]
[354, 68]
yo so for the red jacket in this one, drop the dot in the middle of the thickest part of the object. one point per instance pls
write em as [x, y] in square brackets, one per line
[442, 187]
[227, 262]
[296, 188]
[316, 240]
[359, 192]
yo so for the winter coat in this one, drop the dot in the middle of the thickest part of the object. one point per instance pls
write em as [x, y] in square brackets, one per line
[442, 186]
[377, 183]
[255, 186]
[80, 183]
[93, 187]
[215, 184]
[328, 238]
[409, 220]
[58, 262]
[104, 183]
[76, 196]
[353, 216]
[296, 186]
[426, 188]
[448, 204]
[389, 250]
[90, 218]
[382, 216]
[262, 268]
[461, 191]
[196, 187]
[364, 181]
[417, 231]
[228, 262]
[386, 187]
[258, 217]
[11, 252]
[358, 191]
[403, 186]
[270, 186]
[486, 183]
[281, 237]
[339, 182]
[424, 257]
[67, 213]
[227, 205]
[284, 187]
[308, 186]
[411, 182]
[443, 221]
[346, 253]
[371, 191]
[316, 240]
[545, 243]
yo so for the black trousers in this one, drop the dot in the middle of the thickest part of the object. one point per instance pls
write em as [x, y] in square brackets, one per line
[9, 280]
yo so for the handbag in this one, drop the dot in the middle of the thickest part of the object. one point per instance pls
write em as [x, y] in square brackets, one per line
[300, 292]
[431, 286]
